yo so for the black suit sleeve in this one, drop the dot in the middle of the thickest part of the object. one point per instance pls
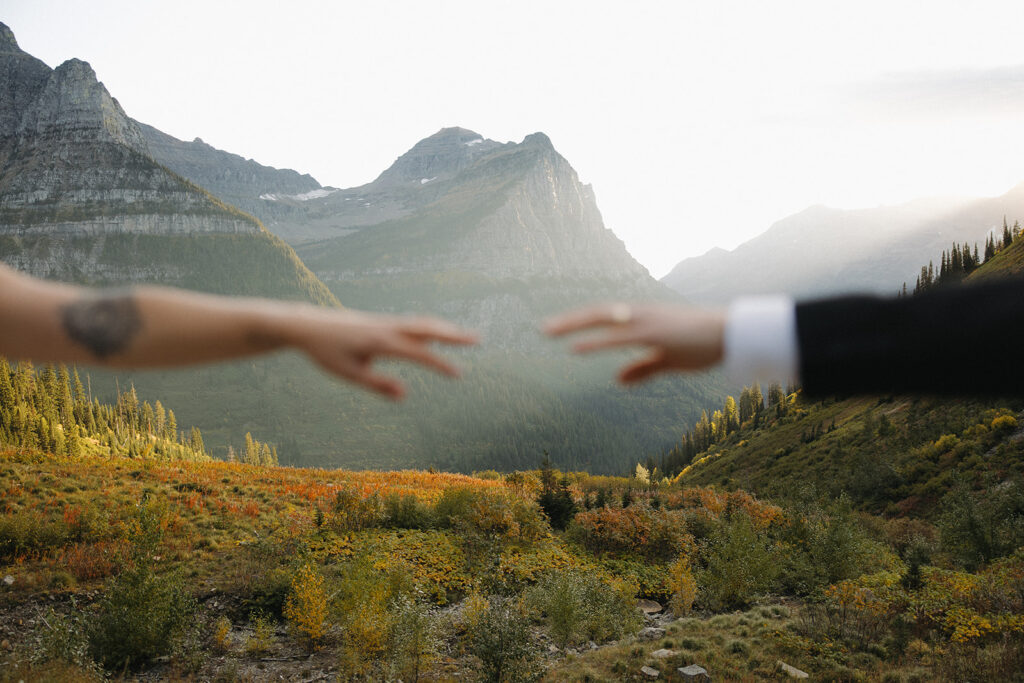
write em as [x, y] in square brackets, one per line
[964, 340]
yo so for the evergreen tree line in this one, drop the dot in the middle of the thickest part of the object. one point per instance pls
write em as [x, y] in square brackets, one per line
[49, 410]
[751, 411]
[960, 261]
[255, 453]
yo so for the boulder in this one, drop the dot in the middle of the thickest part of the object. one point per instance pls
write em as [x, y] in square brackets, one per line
[663, 653]
[648, 606]
[651, 633]
[693, 673]
[791, 671]
[649, 673]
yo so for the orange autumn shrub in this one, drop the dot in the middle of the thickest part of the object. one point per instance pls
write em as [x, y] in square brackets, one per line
[639, 530]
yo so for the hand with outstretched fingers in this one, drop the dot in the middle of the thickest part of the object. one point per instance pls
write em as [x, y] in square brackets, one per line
[678, 338]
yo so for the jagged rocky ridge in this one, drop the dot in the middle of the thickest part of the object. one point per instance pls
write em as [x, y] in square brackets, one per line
[82, 199]
[72, 161]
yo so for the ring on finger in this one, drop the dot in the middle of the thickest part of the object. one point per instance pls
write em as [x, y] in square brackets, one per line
[621, 314]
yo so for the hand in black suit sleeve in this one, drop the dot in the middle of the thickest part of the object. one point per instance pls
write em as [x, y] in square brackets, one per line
[955, 340]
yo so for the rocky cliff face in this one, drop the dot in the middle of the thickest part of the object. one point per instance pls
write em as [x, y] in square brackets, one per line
[73, 160]
[501, 235]
[238, 181]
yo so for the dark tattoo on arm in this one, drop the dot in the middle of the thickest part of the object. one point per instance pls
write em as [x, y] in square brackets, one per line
[104, 324]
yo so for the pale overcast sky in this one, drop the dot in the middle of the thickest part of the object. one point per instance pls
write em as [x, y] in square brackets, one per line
[698, 124]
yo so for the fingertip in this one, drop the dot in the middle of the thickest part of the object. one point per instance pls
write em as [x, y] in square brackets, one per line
[583, 347]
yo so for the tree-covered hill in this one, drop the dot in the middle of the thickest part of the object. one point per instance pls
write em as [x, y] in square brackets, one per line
[897, 455]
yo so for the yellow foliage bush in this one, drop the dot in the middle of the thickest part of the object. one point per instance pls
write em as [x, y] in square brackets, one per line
[472, 610]
[306, 605]
[221, 634]
[683, 586]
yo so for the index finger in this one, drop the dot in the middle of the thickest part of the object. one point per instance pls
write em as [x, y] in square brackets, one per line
[435, 329]
[583, 319]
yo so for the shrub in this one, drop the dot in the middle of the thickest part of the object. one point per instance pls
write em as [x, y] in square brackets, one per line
[739, 563]
[471, 611]
[352, 512]
[579, 605]
[654, 534]
[978, 528]
[405, 512]
[306, 605]
[502, 644]
[62, 639]
[485, 519]
[141, 615]
[361, 608]
[22, 533]
[682, 585]
[825, 545]
[222, 634]
[413, 638]
[262, 636]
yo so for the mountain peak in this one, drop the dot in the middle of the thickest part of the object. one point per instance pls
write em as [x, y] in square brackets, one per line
[74, 103]
[76, 69]
[539, 139]
[8, 43]
[441, 155]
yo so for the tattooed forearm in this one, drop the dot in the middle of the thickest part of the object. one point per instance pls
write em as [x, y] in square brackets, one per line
[104, 324]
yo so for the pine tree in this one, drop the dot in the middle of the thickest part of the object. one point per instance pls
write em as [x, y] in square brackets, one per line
[172, 426]
[732, 415]
[195, 442]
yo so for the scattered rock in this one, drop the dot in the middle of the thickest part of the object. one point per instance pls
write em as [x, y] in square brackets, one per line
[650, 673]
[651, 633]
[8, 580]
[592, 645]
[663, 653]
[792, 671]
[552, 649]
[648, 606]
[693, 673]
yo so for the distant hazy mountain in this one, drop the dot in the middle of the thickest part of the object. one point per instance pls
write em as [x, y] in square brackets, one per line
[823, 250]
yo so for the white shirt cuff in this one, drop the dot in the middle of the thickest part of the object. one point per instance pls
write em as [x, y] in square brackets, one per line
[760, 340]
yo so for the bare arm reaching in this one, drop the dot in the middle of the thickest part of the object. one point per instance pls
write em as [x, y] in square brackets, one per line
[158, 327]
[678, 337]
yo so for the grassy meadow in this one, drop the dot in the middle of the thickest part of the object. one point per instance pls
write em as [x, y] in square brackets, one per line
[206, 570]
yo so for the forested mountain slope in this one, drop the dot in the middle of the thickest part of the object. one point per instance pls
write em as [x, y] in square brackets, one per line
[899, 455]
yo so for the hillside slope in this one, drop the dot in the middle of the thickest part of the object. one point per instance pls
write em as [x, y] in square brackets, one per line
[894, 454]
